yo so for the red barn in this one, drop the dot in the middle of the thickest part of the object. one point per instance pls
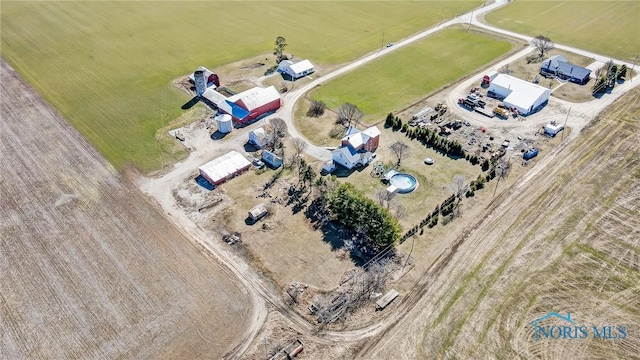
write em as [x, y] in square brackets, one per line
[257, 101]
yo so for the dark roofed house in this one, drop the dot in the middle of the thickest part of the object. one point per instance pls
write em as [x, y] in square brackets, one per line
[564, 70]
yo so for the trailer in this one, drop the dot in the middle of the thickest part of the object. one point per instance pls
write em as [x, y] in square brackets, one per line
[386, 299]
[422, 113]
[485, 112]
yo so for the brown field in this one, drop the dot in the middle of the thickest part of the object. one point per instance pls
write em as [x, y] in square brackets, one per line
[88, 269]
[562, 238]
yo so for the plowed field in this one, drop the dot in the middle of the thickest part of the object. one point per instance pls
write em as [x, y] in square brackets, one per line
[88, 269]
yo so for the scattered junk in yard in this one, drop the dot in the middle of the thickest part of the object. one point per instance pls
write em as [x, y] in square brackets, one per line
[231, 238]
[289, 352]
[210, 204]
[180, 136]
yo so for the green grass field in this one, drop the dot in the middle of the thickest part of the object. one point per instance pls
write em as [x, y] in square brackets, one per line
[107, 66]
[394, 81]
[604, 27]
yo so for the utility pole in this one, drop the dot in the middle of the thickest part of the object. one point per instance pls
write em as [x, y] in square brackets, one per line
[564, 127]
[470, 18]
[382, 42]
[441, 16]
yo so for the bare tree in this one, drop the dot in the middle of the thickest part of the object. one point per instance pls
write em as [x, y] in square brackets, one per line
[316, 108]
[399, 211]
[279, 127]
[459, 186]
[502, 171]
[381, 196]
[400, 149]
[542, 44]
[298, 147]
[278, 50]
[349, 115]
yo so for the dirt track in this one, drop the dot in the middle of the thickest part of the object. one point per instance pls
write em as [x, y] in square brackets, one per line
[88, 269]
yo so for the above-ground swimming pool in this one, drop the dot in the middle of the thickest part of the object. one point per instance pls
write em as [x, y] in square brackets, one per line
[404, 183]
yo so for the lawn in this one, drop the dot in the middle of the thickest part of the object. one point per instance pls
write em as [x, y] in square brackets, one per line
[107, 66]
[393, 82]
[604, 27]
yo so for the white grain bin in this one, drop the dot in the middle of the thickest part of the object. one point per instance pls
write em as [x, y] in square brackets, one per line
[225, 123]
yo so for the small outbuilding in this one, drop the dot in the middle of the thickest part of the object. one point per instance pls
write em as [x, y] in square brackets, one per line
[384, 301]
[272, 159]
[526, 97]
[552, 129]
[224, 167]
[296, 70]
[258, 212]
[258, 137]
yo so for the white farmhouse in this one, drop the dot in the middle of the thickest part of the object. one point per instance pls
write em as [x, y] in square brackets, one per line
[296, 70]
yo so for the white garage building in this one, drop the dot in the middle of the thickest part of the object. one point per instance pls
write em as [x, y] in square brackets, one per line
[523, 95]
[296, 70]
[224, 168]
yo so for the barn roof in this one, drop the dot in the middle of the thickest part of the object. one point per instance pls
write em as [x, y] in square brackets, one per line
[256, 97]
[224, 105]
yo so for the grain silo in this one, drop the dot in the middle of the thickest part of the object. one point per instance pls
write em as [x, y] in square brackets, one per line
[199, 80]
[225, 123]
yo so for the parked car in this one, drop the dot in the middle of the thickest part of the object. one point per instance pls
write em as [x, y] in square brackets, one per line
[258, 163]
[389, 44]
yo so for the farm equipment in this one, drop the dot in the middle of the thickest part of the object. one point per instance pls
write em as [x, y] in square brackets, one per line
[501, 112]
[441, 108]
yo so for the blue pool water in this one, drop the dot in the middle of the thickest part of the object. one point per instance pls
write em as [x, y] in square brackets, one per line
[405, 183]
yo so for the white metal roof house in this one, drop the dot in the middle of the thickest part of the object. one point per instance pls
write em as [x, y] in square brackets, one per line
[296, 70]
[224, 167]
[346, 156]
[258, 137]
[526, 97]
